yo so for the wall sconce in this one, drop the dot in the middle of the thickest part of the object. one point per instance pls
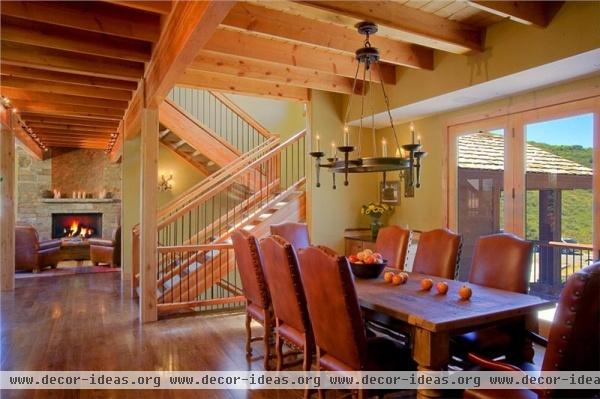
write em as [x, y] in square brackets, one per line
[165, 182]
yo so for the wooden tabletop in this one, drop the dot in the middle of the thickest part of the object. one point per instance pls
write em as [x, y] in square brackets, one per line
[434, 312]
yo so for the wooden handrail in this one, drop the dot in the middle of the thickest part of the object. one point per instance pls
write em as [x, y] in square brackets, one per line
[215, 189]
[214, 178]
[241, 113]
[194, 248]
[586, 247]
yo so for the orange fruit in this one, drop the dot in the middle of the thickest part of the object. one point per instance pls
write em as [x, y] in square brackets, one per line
[426, 284]
[442, 287]
[388, 276]
[465, 292]
[397, 279]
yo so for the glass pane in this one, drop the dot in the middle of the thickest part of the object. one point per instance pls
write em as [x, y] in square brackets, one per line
[480, 178]
[559, 199]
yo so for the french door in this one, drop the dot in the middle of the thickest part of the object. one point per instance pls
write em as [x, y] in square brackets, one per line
[535, 174]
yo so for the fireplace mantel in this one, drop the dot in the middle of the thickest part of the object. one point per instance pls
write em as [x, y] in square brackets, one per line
[79, 200]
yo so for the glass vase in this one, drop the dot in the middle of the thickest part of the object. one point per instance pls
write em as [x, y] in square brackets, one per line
[376, 224]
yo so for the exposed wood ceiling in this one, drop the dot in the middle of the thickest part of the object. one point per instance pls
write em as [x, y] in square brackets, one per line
[73, 69]
[283, 48]
[70, 68]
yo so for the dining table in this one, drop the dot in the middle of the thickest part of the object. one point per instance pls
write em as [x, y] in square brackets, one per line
[431, 319]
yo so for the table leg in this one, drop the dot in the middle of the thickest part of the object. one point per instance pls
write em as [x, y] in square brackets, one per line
[431, 352]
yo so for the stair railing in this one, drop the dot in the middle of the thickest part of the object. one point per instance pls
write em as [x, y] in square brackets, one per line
[194, 265]
[222, 116]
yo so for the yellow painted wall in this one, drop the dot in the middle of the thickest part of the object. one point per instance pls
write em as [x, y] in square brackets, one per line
[425, 210]
[184, 177]
[332, 211]
[130, 197]
[510, 47]
[280, 117]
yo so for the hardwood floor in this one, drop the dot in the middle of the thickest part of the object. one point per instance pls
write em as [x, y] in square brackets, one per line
[86, 322]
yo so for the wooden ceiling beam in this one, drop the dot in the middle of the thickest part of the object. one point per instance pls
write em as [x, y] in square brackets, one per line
[268, 71]
[225, 83]
[65, 88]
[278, 24]
[538, 13]
[395, 21]
[68, 110]
[248, 46]
[31, 95]
[61, 38]
[32, 147]
[75, 122]
[52, 76]
[158, 7]
[77, 145]
[91, 133]
[91, 16]
[190, 26]
[70, 128]
[66, 61]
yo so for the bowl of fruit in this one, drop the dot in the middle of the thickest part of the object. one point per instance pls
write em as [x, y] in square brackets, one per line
[367, 264]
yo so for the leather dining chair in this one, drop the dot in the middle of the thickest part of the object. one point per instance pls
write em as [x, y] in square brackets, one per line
[501, 261]
[438, 253]
[292, 324]
[340, 337]
[295, 233]
[392, 243]
[572, 344]
[258, 300]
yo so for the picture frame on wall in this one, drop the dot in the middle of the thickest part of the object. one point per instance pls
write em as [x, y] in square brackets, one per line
[390, 193]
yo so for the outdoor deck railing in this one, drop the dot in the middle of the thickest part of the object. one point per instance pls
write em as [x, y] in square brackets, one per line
[553, 262]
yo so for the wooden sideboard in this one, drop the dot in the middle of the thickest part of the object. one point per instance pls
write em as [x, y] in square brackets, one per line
[359, 239]
[356, 240]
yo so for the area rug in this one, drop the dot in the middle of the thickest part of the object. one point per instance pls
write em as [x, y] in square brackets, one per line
[67, 271]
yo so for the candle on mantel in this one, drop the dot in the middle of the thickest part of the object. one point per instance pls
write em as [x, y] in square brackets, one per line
[346, 136]
[333, 149]
[412, 131]
[318, 143]
[383, 148]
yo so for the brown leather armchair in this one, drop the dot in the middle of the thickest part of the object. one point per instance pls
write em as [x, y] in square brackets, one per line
[392, 243]
[573, 342]
[33, 254]
[106, 251]
[438, 253]
[258, 300]
[289, 303]
[501, 261]
[295, 233]
[341, 341]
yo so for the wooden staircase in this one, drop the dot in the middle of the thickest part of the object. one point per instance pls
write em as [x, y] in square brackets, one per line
[250, 190]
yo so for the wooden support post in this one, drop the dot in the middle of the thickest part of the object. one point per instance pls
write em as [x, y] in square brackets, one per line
[7, 202]
[148, 214]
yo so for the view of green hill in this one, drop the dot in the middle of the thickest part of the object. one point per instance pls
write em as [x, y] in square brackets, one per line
[576, 204]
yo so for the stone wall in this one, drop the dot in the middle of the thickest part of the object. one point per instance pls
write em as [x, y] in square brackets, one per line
[84, 170]
[91, 173]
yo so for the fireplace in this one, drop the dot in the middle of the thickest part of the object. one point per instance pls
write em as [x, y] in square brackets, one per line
[69, 225]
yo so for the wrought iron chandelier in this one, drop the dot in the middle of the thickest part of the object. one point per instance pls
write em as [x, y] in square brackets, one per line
[407, 159]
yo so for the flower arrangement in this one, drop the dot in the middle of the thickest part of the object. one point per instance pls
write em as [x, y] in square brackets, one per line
[374, 210]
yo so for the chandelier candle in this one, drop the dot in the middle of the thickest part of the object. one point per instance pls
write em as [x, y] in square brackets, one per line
[383, 148]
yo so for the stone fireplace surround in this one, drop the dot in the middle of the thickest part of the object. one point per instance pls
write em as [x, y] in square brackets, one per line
[85, 170]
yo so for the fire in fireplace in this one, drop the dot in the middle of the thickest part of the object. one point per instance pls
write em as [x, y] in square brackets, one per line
[70, 225]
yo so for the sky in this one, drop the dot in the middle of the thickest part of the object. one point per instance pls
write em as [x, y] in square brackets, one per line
[568, 131]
